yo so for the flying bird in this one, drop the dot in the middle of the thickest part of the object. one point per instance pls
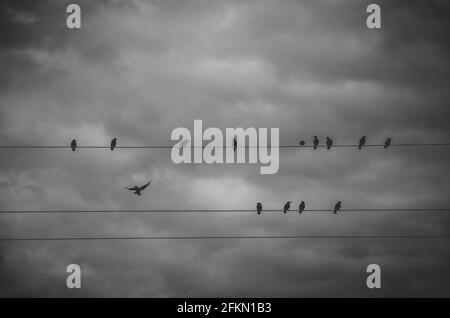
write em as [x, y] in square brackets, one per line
[287, 206]
[387, 143]
[113, 144]
[73, 145]
[137, 190]
[235, 143]
[301, 143]
[337, 207]
[259, 207]
[316, 142]
[362, 142]
[329, 143]
[301, 208]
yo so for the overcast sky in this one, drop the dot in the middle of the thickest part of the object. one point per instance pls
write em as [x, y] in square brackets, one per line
[138, 69]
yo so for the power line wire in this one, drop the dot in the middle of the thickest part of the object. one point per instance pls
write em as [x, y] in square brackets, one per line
[226, 147]
[217, 210]
[99, 238]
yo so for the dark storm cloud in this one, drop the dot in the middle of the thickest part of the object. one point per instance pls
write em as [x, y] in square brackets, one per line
[41, 25]
[138, 69]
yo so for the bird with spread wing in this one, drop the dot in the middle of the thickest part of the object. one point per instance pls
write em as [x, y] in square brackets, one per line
[137, 190]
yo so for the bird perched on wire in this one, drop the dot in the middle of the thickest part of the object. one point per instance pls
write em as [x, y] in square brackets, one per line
[315, 142]
[287, 206]
[137, 190]
[73, 145]
[259, 207]
[184, 143]
[388, 142]
[301, 208]
[235, 143]
[337, 207]
[113, 144]
[329, 143]
[362, 142]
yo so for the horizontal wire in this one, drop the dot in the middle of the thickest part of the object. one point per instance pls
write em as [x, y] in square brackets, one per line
[98, 238]
[226, 147]
[217, 210]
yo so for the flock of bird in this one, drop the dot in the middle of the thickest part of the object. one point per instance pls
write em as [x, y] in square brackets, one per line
[301, 207]
[136, 190]
[329, 142]
[316, 141]
[74, 144]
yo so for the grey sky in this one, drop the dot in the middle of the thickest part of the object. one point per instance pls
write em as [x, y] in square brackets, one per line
[138, 69]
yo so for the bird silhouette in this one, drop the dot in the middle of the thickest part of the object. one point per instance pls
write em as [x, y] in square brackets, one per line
[287, 206]
[137, 190]
[73, 145]
[301, 208]
[315, 142]
[337, 207]
[329, 143]
[301, 143]
[235, 143]
[387, 143]
[362, 142]
[113, 144]
[184, 143]
[259, 207]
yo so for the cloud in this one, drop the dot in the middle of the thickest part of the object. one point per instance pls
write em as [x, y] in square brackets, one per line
[138, 69]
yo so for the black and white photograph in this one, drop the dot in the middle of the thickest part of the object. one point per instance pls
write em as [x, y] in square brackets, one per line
[245, 149]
